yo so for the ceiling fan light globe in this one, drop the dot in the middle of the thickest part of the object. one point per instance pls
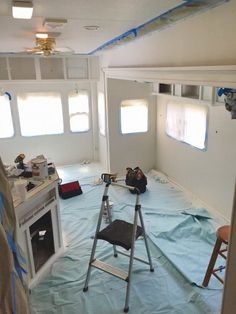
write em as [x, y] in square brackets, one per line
[42, 35]
[46, 53]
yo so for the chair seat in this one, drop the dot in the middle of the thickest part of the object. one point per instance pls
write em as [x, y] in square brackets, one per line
[222, 236]
[223, 233]
[119, 232]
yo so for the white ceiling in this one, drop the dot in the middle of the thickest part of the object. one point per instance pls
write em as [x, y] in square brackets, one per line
[114, 17]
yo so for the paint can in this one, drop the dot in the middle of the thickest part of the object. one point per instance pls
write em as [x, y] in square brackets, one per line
[39, 168]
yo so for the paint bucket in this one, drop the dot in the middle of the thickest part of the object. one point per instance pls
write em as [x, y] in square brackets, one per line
[39, 168]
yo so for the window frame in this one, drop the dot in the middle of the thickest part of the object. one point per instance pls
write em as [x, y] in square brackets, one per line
[12, 120]
[102, 95]
[145, 103]
[82, 91]
[184, 105]
[42, 92]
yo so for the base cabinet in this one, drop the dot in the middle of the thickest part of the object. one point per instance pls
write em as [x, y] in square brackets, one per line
[39, 228]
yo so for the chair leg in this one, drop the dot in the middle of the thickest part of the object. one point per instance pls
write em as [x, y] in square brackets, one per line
[212, 263]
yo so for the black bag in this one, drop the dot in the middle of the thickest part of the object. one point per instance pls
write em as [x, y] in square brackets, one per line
[136, 178]
[70, 189]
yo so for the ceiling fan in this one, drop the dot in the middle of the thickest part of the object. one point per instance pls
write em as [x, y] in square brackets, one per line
[46, 47]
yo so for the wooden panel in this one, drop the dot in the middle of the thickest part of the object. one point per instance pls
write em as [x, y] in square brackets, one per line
[51, 69]
[3, 69]
[22, 68]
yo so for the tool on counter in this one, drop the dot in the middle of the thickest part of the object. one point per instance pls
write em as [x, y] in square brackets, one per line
[20, 161]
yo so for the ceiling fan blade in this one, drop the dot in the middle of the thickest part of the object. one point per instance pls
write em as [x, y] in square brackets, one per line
[34, 49]
[64, 50]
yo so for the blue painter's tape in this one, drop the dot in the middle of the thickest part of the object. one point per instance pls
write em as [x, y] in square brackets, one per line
[19, 269]
[9, 95]
[135, 31]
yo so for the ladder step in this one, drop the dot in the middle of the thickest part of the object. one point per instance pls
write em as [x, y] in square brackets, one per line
[110, 269]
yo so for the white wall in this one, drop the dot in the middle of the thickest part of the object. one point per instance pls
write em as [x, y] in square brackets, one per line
[130, 149]
[204, 39]
[103, 140]
[64, 148]
[208, 174]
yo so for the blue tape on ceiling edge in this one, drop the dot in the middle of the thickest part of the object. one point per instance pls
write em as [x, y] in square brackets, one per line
[133, 33]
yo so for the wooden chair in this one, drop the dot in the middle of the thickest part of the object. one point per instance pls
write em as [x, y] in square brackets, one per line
[222, 237]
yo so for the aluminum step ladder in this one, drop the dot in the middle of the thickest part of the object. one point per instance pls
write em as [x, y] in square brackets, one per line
[119, 233]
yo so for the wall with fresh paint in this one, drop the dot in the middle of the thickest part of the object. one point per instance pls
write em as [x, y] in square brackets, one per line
[67, 148]
[208, 174]
[204, 39]
[137, 149]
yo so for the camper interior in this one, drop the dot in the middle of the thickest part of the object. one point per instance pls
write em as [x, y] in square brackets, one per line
[93, 87]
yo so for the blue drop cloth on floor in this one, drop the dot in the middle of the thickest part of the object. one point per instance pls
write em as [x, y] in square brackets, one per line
[181, 241]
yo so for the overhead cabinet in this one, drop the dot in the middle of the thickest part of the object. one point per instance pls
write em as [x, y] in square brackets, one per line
[49, 68]
[198, 92]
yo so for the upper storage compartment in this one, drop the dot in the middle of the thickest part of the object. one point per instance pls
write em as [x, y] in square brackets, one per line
[190, 91]
[77, 68]
[49, 68]
[3, 69]
[21, 68]
[198, 92]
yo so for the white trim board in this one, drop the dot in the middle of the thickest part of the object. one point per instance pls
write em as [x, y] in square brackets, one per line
[219, 76]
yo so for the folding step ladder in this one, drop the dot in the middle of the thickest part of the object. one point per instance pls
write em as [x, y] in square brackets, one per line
[119, 233]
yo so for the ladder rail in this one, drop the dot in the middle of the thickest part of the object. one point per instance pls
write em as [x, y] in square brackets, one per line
[131, 256]
[104, 198]
[108, 268]
[145, 239]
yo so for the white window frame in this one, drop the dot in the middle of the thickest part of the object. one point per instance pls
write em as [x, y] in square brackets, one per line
[184, 121]
[6, 121]
[136, 118]
[82, 113]
[101, 114]
[51, 119]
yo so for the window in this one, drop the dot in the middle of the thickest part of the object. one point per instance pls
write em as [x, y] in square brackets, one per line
[40, 113]
[101, 114]
[6, 124]
[79, 111]
[134, 116]
[187, 123]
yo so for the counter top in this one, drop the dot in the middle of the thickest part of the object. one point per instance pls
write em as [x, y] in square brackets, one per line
[42, 184]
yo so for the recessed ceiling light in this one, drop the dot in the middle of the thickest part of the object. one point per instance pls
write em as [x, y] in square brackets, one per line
[41, 35]
[91, 27]
[22, 9]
